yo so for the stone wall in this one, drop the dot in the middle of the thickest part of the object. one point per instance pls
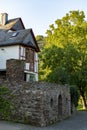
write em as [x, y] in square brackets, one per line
[38, 103]
[15, 69]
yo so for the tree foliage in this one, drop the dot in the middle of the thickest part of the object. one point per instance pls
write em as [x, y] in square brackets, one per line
[74, 95]
[5, 105]
[41, 40]
[64, 57]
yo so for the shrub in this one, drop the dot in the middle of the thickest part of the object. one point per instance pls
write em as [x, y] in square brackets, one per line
[74, 95]
[5, 104]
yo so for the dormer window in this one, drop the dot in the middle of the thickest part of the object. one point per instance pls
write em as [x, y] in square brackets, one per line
[14, 34]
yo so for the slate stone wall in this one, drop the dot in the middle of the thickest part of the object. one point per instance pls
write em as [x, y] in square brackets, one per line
[37, 103]
[15, 69]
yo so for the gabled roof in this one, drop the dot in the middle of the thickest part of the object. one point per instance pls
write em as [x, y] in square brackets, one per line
[12, 24]
[23, 37]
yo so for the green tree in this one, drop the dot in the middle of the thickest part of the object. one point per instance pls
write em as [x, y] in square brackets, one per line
[74, 95]
[41, 40]
[65, 53]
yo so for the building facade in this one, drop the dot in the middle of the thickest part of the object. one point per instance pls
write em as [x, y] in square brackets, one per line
[18, 43]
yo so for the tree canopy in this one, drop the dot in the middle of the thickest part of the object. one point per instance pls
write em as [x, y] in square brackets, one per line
[64, 57]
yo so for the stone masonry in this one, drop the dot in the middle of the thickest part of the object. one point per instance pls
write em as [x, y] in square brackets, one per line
[15, 69]
[39, 103]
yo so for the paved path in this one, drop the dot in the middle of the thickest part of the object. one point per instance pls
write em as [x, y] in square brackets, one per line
[76, 122]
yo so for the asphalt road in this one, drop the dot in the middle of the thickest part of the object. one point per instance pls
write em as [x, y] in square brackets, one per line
[75, 122]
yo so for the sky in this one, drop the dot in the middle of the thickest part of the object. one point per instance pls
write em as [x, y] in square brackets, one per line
[39, 14]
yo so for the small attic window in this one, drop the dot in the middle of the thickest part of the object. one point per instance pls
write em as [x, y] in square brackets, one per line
[15, 34]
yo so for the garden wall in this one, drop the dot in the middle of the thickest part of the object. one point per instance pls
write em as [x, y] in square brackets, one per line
[39, 103]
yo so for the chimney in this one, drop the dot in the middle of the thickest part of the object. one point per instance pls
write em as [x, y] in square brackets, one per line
[3, 18]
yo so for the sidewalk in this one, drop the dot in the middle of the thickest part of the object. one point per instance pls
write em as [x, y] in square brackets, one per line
[76, 122]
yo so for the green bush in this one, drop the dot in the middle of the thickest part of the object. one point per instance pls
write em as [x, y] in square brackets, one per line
[74, 95]
[5, 104]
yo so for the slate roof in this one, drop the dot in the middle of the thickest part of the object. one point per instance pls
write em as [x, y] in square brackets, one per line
[11, 23]
[23, 37]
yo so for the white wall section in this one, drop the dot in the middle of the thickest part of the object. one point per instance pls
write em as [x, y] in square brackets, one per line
[8, 52]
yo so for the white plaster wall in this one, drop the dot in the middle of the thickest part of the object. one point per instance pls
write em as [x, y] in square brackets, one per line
[11, 52]
[22, 52]
[36, 63]
[36, 76]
